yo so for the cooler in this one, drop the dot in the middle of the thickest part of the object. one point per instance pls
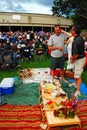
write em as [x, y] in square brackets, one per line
[86, 58]
[56, 73]
[7, 86]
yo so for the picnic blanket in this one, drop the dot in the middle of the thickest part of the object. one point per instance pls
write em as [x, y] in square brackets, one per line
[26, 91]
[29, 117]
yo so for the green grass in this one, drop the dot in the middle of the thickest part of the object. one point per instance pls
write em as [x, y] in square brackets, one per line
[33, 64]
[84, 76]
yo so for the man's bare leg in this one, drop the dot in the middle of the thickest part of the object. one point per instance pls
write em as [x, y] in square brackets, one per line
[62, 75]
[53, 72]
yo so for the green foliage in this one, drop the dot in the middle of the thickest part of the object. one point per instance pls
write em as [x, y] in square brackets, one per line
[68, 7]
[61, 8]
[84, 76]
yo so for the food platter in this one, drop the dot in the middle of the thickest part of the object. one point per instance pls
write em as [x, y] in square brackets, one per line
[26, 73]
[52, 95]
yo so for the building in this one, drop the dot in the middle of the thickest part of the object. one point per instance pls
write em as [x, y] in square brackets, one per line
[26, 21]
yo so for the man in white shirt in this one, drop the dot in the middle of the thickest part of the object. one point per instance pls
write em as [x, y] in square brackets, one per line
[56, 45]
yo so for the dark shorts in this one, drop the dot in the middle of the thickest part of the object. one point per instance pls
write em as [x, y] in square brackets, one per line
[57, 63]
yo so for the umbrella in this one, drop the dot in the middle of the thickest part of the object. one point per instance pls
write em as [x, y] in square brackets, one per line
[41, 33]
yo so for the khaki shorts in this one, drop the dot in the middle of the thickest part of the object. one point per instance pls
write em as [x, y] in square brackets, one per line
[79, 65]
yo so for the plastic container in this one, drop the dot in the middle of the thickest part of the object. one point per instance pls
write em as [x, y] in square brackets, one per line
[86, 58]
[7, 86]
[56, 73]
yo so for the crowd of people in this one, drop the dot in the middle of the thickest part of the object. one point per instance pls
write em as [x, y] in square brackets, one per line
[15, 43]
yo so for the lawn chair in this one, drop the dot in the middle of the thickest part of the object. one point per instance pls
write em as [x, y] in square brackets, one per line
[39, 54]
[27, 53]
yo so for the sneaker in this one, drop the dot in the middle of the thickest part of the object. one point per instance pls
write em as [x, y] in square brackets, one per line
[72, 84]
[77, 93]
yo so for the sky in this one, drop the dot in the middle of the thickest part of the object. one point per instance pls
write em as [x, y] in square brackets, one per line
[27, 6]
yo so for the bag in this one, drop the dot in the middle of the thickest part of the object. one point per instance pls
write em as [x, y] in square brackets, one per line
[69, 74]
[70, 65]
[7, 59]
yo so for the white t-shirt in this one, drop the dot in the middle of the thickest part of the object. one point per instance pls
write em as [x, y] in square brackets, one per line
[69, 47]
[55, 40]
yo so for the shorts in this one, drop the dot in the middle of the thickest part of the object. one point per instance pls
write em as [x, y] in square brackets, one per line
[57, 62]
[79, 65]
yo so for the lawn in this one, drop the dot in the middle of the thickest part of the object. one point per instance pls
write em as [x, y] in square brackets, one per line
[33, 64]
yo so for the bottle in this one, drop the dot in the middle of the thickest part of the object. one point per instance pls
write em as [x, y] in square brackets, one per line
[0, 99]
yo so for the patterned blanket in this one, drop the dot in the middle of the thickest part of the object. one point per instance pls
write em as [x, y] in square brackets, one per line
[82, 114]
[29, 117]
[20, 117]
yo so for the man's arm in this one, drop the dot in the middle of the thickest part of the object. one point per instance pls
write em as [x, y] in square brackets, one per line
[67, 33]
[73, 58]
[55, 48]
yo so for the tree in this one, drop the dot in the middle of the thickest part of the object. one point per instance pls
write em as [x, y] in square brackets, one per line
[77, 9]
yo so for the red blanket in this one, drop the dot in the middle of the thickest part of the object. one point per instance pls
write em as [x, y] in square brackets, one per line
[20, 117]
[29, 117]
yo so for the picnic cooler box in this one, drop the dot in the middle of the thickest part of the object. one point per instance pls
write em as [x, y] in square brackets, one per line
[56, 73]
[86, 58]
[7, 86]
